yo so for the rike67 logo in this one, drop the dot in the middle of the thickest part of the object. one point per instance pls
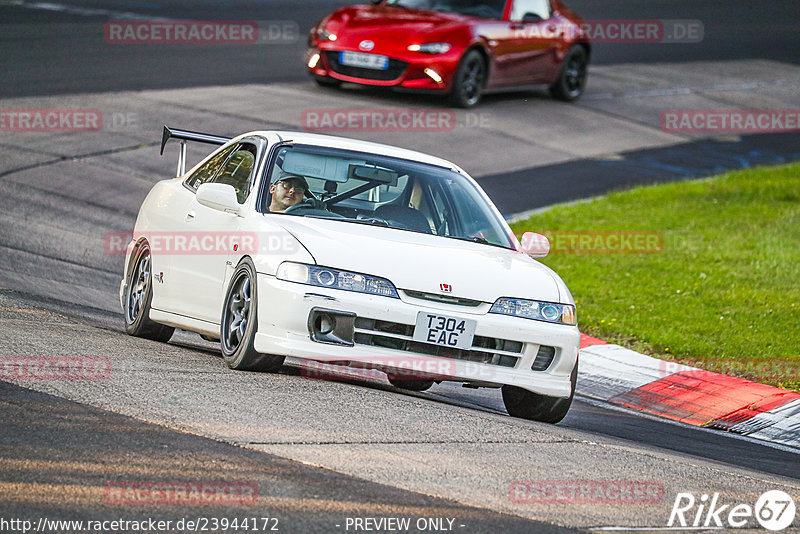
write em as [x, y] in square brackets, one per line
[774, 510]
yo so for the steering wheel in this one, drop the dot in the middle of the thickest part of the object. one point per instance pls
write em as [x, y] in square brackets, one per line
[300, 205]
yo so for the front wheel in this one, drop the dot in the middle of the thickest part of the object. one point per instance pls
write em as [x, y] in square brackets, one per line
[138, 296]
[469, 80]
[410, 385]
[528, 405]
[571, 79]
[240, 323]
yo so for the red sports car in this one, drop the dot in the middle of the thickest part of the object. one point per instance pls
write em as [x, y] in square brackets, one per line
[462, 48]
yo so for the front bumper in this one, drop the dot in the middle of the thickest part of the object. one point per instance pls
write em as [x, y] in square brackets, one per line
[283, 328]
[407, 71]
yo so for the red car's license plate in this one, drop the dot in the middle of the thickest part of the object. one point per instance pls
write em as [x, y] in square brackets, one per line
[365, 61]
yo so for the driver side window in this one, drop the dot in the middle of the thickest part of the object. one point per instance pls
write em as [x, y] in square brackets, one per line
[540, 8]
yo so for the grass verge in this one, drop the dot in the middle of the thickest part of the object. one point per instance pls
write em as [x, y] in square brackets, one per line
[712, 280]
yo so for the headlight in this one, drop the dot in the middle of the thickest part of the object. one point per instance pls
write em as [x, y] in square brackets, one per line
[534, 309]
[430, 48]
[336, 279]
[325, 35]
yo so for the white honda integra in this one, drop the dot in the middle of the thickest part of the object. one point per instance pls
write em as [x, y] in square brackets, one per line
[389, 260]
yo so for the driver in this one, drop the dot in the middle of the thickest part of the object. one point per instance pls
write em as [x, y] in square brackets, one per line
[287, 191]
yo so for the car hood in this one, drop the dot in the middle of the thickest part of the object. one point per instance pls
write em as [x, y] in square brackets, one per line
[421, 262]
[387, 25]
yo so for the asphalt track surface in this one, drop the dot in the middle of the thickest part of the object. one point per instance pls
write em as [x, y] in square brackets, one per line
[61, 49]
[54, 443]
[592, 177]
[57, 457]
[296, 497]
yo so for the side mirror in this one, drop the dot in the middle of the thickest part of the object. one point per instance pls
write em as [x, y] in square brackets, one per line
[535, 245]
[531, 17]
[220, 197]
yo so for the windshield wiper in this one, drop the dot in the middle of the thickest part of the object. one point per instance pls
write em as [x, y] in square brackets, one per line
[474, 239]
[481, 240]
[372, 221]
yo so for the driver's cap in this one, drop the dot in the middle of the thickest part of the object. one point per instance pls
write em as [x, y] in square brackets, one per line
[283, 177]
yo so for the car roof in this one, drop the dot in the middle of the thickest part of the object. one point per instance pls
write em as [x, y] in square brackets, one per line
[333, 141]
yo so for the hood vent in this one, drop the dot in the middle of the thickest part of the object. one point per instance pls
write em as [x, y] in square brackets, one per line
[447, 299]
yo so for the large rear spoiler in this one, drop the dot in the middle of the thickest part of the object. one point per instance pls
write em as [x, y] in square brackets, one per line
[186, 135]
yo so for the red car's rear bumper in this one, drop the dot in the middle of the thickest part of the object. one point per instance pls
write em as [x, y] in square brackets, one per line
[414, 71]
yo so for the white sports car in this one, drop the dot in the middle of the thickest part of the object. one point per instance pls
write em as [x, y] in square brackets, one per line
[384, 259]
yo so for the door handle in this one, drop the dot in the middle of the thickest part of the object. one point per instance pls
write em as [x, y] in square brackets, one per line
[190, 216]
[555, 30]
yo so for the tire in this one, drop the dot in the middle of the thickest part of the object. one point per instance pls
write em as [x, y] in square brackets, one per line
[571, 81]
[528, 405]
[240, 323]
[327, 82]
[138, 296]
[410, 385]
[469, 80]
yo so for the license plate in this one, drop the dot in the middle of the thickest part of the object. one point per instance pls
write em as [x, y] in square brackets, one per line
[366, 61]
[444, 330]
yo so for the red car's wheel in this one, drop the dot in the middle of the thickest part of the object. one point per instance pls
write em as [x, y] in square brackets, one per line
[469, 80]
[572, 79]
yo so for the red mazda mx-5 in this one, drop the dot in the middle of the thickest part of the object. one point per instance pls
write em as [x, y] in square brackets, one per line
[462, 48]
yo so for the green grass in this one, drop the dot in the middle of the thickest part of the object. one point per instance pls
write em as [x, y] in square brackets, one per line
[724, 292]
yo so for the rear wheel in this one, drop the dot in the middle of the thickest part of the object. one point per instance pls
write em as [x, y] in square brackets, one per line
[469, 80]
[572, 79]
[138, 296]
[528, 405]
[240, 323]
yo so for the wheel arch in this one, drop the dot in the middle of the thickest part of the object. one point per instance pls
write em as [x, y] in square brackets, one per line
[587, 47]
[482, 48]
[232, 269]
[133, 251]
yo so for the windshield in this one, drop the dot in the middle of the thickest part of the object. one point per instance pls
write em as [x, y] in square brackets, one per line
[488, 9]
[361, 188]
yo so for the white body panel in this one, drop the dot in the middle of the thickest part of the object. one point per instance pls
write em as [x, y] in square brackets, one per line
[191, 290]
